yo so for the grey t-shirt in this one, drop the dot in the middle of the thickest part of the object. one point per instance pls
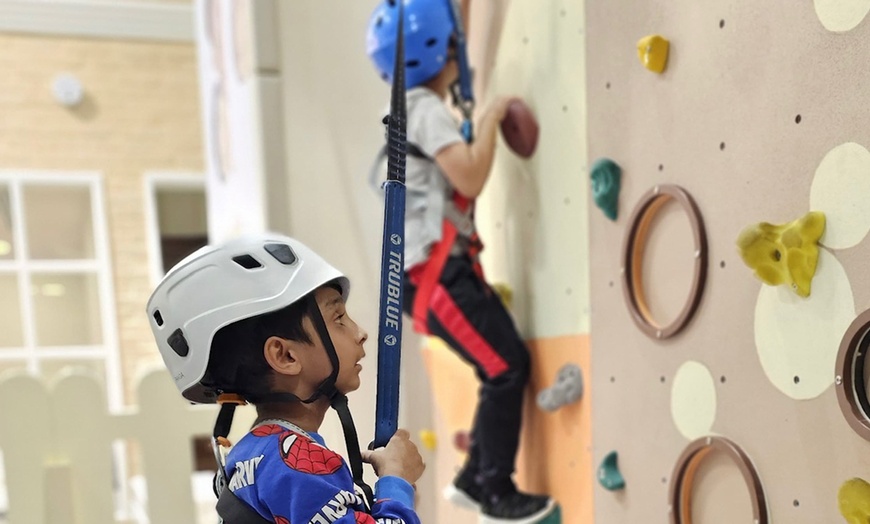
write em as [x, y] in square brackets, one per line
[432, 128]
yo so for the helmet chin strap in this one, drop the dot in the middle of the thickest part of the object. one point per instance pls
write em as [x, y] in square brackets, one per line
[326, 389]
[338, 401]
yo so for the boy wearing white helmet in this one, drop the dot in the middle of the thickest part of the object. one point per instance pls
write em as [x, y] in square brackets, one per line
[445, 290]
[262, 319]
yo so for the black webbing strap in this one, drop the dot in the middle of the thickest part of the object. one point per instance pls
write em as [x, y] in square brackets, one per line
[412, 150]
[233, 510]
[351, 440]
[375, 173]
[224, 420]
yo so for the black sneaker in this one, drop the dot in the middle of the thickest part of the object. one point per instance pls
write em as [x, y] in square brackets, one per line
[516, 508]
[465, 493]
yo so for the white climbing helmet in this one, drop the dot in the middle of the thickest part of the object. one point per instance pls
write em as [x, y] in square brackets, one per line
[218, 285]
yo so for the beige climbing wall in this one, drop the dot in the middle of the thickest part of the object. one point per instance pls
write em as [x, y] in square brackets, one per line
[533, 213]
[533, 217]
[761, 115]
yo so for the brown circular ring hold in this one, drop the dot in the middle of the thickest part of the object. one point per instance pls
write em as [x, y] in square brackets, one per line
[632, 259]
[680, 492]
[849, 380]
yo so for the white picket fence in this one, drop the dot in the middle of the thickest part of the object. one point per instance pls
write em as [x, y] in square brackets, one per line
[57, 444]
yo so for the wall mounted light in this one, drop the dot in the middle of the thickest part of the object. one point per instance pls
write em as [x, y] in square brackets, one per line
[67, 90]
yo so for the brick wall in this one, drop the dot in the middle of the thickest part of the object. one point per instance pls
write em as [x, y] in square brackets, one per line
[140, 113]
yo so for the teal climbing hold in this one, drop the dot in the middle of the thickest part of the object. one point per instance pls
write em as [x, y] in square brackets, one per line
[608, 473]
[605, 176]
[554, 517]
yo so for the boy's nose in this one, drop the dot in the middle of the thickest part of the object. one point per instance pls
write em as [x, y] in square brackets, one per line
[362, 336]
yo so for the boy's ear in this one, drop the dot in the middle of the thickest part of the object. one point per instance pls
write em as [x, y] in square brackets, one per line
[283, 355]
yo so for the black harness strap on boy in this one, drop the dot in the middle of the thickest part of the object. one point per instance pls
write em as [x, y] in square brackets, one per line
[351, 439]
[230, 508]
[233, 510]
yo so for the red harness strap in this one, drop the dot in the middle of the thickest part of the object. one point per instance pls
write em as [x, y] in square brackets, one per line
[427, 274]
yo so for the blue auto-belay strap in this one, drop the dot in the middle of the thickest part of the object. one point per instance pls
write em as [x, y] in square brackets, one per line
[463, 96]
[392, 255]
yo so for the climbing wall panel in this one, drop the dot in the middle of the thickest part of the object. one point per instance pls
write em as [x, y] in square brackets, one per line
[760, 115]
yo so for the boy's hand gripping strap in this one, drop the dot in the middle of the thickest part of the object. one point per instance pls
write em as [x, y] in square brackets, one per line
[463, 96]
[392, 255]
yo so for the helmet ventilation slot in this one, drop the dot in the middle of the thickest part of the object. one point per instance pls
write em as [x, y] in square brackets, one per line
[247, 261]
[178, 343]
[282, 253]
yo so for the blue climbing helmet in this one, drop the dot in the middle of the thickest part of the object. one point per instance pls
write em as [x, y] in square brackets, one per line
[428, 28]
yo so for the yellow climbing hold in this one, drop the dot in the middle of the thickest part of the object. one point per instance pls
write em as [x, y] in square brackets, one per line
[784, 254]
[428, 439]
[854, 501]
[653, 52]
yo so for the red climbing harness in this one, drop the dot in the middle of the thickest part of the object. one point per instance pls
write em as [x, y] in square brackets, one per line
[426, 275]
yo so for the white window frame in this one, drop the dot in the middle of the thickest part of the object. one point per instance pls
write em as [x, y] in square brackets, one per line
[100, 267]
[154, 181]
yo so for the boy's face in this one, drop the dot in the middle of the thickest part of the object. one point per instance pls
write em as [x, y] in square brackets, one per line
[347, 337]
[451, 68]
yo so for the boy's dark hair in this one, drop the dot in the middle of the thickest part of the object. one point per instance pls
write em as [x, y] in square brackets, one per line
[236, 363]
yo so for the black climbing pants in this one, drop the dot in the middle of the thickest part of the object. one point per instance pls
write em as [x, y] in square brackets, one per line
[469, 316]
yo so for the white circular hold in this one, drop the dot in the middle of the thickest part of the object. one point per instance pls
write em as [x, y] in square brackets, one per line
[840, 190]
[67, 89]
[693, 400]
[840, 16]
[797, 339]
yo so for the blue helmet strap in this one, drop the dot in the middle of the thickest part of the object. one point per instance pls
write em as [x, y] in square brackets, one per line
[463, 96]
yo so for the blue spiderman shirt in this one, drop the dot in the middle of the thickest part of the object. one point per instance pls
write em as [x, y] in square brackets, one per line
[289, 476]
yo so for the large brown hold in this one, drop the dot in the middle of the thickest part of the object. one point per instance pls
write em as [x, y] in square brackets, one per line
[520, 129]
